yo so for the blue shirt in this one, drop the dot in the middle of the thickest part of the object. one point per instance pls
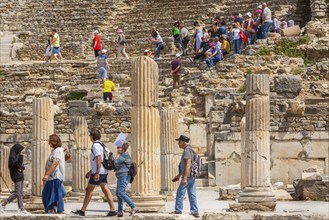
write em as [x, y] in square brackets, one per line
[102, 61]
[222, 30]
[214, 50]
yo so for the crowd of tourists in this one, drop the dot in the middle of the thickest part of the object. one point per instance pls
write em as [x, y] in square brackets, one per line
[53, 192]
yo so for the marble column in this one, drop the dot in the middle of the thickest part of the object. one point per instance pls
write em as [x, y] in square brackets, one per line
[255, 177]
[169, 151]
[80, 155]
[243, 154]
[4, 155]
[42, 128]
[145, 132]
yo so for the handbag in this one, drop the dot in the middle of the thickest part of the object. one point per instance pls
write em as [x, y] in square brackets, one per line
[243, 36]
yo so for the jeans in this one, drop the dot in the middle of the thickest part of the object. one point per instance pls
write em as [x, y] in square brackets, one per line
[18, 193]
[178, 42]
[158, 48]
[265, 29]
[191, 192]
[210, 62]
[122, 182]
[237, 46]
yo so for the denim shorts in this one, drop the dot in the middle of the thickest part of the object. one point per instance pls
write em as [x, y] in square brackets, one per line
[102, 73]
[56, 50]
[102, 179]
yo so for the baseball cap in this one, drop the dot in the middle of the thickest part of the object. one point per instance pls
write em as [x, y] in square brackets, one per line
[178, 55]
[96, 32]
[104, 51]
[183, 138]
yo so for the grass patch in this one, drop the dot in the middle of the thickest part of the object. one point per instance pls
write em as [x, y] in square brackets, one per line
[243, 88]
[264, 51]
[75, 96]
[290, 48]
[297, 71]
[2, 74]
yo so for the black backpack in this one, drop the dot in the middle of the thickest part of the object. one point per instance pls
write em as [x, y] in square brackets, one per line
[108, 159]
[132, 171]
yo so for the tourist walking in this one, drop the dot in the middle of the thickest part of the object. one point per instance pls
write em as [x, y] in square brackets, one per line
[53, 193]
[175, 31]
[16, 168]
[198, 34]
[266, 20]
[97, 175]
[158, 44]
[97, 44]
[48, 52]
[121, 44]
[176, 66]
[122, 164]
[55, 43]
[108, 88]
[187, 180]
[184, 37]
[103, 67]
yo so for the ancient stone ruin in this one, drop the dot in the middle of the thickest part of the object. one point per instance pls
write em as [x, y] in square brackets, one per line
[260, 120]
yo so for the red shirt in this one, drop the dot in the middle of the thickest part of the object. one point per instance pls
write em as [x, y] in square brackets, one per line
[98, 43]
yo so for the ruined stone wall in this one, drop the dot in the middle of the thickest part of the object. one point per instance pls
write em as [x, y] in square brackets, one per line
[298, 132]
[76, 20]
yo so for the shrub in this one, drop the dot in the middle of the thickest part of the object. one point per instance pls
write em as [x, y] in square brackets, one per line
[264, 51]
[75, 96]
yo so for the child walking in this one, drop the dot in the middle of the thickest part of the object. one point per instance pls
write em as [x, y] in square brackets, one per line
[108, 88]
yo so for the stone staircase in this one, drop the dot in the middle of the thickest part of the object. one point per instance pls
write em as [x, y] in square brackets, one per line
[6, 44]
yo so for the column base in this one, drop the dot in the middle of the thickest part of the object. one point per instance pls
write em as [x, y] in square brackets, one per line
[149, 203]
[261, 199]
[169, 195]
[263, 206]
[35, 205]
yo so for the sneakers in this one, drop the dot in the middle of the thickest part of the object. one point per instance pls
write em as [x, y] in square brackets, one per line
[111, 213]
[23, 211]
[175, 213]
[133, 211]
[78, 212]
[120, 214]
[195, 214]
[2, 209]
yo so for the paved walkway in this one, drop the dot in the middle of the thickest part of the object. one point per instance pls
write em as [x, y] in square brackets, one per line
[208, 202]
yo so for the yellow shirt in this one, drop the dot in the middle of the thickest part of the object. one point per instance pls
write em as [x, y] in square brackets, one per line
[226, 46]
[108, 86]
[57, 42]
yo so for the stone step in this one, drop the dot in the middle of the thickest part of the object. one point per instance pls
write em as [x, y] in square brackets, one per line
[204, 182]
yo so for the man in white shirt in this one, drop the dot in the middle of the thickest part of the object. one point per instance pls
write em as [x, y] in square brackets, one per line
[97, 175]
[267, 20]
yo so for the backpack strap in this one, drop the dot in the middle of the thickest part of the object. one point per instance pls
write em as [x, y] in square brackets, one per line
[99, 142]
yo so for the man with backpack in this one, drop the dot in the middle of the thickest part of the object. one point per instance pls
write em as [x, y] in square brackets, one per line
[97, 175]
[187, 183]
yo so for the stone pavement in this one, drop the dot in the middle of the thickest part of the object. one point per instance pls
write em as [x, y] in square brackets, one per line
[208, 203]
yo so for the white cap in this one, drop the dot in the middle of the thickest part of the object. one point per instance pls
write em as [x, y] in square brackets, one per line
[96, 32]
[145, 51]
[104, 51]
[178, 55]
[260, 7]
[249, 14]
